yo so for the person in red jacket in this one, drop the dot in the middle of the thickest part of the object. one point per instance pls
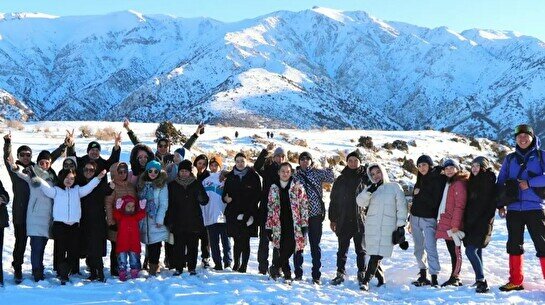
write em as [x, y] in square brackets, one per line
[450, 217]
[128, 215]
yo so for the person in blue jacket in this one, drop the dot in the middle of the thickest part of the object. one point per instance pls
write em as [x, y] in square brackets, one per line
[521, 174]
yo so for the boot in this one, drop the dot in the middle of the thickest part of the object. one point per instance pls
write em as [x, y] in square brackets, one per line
[372, 268]
[338, 279]
[134, 273]
[100, 275]
[93, 276]
[1, 278]
[274, 273]
[434, 281]
[452, 281]
[422, 280]
[242, 268]
[236, 265]
[17, 274]
[515, 274]
[38, 274]
[153, 269]
[122, 275]
[482, 287]
[380, 276]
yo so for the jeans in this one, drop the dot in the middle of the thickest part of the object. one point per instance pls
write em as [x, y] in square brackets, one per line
[37, 249]
[314, 238]
[133, 257]
[217, 232]
[475, 256]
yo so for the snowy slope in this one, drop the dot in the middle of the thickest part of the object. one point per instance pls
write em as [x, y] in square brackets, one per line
[311, 69]
[210, 287]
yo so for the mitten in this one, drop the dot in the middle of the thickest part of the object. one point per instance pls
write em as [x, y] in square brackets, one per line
[304, 230]
[250, 221]
[118, 203]
[142, 204]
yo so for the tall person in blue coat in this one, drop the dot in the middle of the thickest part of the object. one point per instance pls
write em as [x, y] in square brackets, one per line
[520, 176]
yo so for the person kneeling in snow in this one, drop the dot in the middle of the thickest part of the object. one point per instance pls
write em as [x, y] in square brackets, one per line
[386, 218]
[128, 214]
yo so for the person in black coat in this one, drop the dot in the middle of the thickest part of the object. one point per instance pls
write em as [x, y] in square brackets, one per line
[93, 153]
[242, 192]
[184, 217]
[267, 168]
[21, 196]
[4, 223]
[346, 218]
[479, 216]
[94, 229]
[201, 164]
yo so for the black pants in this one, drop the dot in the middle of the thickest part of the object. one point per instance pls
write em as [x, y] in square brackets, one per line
[95, 247]
[20, 245]
[65, 237]
[287, 248]
[344, 244]
[263, 251]
[205, 243]
[535, 222]
[1, 252]
[153, 252]
[455, 257]
[241, 249]
[113, 260]
[186, 245]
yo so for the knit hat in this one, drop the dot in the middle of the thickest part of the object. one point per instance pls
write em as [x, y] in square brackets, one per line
[185, 164]
[153, 164]
[180, 151]
[217, 159]
[23, 148]
[279, 151]
[424, 159]
[482, 161]
[356, 153]
[93, 144]
[129, 198]
[524, 128]
[451, 162]
[201, 157]
[305, 154]
[44, 155]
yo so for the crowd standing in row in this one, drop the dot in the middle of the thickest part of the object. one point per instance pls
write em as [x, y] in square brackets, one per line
[164, 200]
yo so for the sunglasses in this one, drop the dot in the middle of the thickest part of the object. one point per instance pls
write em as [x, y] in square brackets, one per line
[153, 171]
[89, 169]
[305, 159]
[25, 154]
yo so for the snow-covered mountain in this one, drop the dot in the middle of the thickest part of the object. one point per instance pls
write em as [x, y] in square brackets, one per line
[313, 68]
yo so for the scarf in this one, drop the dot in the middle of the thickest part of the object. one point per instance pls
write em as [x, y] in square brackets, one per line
[241, 173]
[443, 205]
[185, 181]
[148, 193]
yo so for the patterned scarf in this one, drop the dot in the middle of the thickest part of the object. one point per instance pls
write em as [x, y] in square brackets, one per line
[147, 192]
[185, 181]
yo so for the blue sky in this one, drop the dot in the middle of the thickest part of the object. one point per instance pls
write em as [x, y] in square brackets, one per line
[525, 16]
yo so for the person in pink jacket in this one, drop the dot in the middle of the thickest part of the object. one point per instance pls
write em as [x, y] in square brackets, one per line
[450, 217]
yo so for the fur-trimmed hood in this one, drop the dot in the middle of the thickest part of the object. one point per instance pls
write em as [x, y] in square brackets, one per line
[159, 182]
[385, 178]
[136, 168]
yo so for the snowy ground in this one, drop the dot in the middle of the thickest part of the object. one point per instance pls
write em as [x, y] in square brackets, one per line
[210, 287]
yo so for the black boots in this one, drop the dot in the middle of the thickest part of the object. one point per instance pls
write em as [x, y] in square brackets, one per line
[338, 279]
[452, 281]
[434, 282]
[38, 275]
[422, 280]
[482, 287]
[17, 274]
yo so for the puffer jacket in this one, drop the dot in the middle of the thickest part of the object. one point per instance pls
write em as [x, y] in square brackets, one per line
[453, 217]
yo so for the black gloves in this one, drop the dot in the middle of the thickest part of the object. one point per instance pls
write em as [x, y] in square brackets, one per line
[304, 230]
[269, 235]
[398, 237]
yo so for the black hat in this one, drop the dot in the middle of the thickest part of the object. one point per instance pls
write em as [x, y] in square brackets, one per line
[305, 154]
[24, 148]
[524, 128]
[185, 164]
[424, 159]
[44, 155]
[93, 144]
[201, 157]
[482, 161]
[356, 153]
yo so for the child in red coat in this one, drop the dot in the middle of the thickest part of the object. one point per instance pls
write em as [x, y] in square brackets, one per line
[128, 215]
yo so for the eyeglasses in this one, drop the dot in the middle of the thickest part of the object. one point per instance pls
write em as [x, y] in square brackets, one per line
[153, 171]
[44, 162]
[305, 159]
[25, 154]
[89, 169]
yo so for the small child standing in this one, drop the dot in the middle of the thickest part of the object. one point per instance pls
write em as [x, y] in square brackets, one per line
[128, 215]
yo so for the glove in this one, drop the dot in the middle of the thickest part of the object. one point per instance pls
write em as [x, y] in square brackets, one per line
[240, 216]
[118, 203]
[372, 188]
[112, 227]
[304, 230]
[142, 204]
[250, 221]
[398, 237]
[269, 235]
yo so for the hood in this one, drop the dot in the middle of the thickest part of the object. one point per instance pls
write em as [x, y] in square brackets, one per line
[385, 178]
[113, 173]
[136, 168]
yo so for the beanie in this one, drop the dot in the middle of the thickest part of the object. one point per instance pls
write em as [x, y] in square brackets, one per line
[424, 159]
[44, 155]
[93, 144]
[305, 154]
[153, 164]
[279, 151]
[524, 128]
[451, 162]
[185, 164]
[240, 155]
[217, 159]
[482, 161]
[23, 148]
[356, 153]
[180, 151]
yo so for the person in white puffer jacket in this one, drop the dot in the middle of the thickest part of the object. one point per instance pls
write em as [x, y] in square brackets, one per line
[66, 215]
[386, 215]
[213, 214]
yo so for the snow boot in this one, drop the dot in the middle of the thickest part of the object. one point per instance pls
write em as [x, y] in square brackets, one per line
[338, 279]
[100, 275]
[422, 280]
[274, 273]
[93, 276]
[452, 281]
[17, 274]
[542, 262]
[516, 276]
[379, 275]
[134, 273]
[434, 281]
[122, 275]
[482, 287]
[153, 269]
[38, 274]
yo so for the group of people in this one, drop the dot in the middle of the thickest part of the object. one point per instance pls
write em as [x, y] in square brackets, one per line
[164, 200]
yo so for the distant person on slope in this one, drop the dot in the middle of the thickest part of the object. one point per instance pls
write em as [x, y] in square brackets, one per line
[521, 176]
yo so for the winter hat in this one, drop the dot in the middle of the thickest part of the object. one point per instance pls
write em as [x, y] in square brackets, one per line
[424, 159]
[524, 128]
[128, 198]
[153, 164]
[44, 155]
[185, 164]
[451, 162]
[93, 144]
[201, 157]
[180, 151]
[356, 153]
[72, 158]
[482, 161]
[305, 154]
[217, 159]
[279, 151]
[23, 148]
